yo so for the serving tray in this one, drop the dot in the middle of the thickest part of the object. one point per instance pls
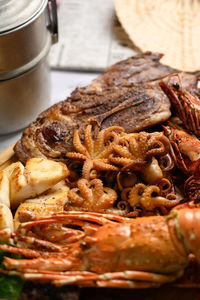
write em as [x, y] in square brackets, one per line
[7, 157]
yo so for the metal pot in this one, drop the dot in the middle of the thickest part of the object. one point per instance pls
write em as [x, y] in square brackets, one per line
[27, 30]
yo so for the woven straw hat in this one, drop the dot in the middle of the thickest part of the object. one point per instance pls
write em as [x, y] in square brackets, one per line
[171, 27]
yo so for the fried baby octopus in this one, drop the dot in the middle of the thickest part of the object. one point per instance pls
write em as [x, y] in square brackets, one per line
[135, 150]
[143, 156]
[94, 150]
[149, 197]
[91, 196]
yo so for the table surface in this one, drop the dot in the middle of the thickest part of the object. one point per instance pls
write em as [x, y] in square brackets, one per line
[63, 83]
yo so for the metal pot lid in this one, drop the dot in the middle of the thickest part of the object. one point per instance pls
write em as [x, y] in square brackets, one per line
[15, 13]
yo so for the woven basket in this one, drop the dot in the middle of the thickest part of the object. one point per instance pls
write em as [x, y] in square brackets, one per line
[171, 27]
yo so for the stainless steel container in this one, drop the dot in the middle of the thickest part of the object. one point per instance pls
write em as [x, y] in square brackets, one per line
[27, 30]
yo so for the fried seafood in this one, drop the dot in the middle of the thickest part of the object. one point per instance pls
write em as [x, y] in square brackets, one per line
[106, 250]
[152, 173]
[126, 179]
[185, 147]
[149, 197]
[93, 150]
[92, 196]
[67, 232]
[121, 170]
[187, 105]
[132, 159]
[114, 147]
[136, 150]
[185, 151]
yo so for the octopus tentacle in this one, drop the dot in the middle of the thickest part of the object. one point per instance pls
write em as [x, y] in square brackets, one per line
[91, 195]
[111, 138]
[108, 198]
[123, 205]
[165, 186]
[161, 201]
[166, 162]
[89, 144]
[124, 143]
[93, 151]
[133, 144]
[87, 167]
[135, 194]
[147, 199]
[74, 197]
[120, 186]
[122, 151]
[155, 147]
[120, 160]
[106, 152]
[78, 146]
[165, 142]
[99, 143]
[142, 143]
[97, 189]
[173, 198]
[85, 190]
[125, 194]
[136, 165]
[103, 166]
[93, 174]
[76, 155]
[150, 202]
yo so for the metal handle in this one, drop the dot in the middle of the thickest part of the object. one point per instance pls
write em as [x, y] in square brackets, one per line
[53, 20]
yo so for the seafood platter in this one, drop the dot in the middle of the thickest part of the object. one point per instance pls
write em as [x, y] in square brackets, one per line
[103, 188]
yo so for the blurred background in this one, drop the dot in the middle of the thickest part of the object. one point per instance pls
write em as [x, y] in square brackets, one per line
[90, 36]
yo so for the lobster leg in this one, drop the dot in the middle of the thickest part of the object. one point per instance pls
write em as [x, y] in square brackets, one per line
[135, 279]
[128, 284]
[51, 263]
[23, 251]
[89, 223]
[178, 156]
[74, 219]
[126, 279]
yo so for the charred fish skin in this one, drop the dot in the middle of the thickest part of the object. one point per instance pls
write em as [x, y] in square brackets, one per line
[126, 101]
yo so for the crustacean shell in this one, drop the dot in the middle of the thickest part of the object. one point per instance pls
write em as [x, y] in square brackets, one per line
[171, 27]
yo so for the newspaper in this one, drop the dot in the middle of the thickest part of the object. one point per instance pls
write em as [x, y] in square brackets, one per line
[90, 36]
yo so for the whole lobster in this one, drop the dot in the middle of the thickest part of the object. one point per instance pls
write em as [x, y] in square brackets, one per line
[104, 250]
